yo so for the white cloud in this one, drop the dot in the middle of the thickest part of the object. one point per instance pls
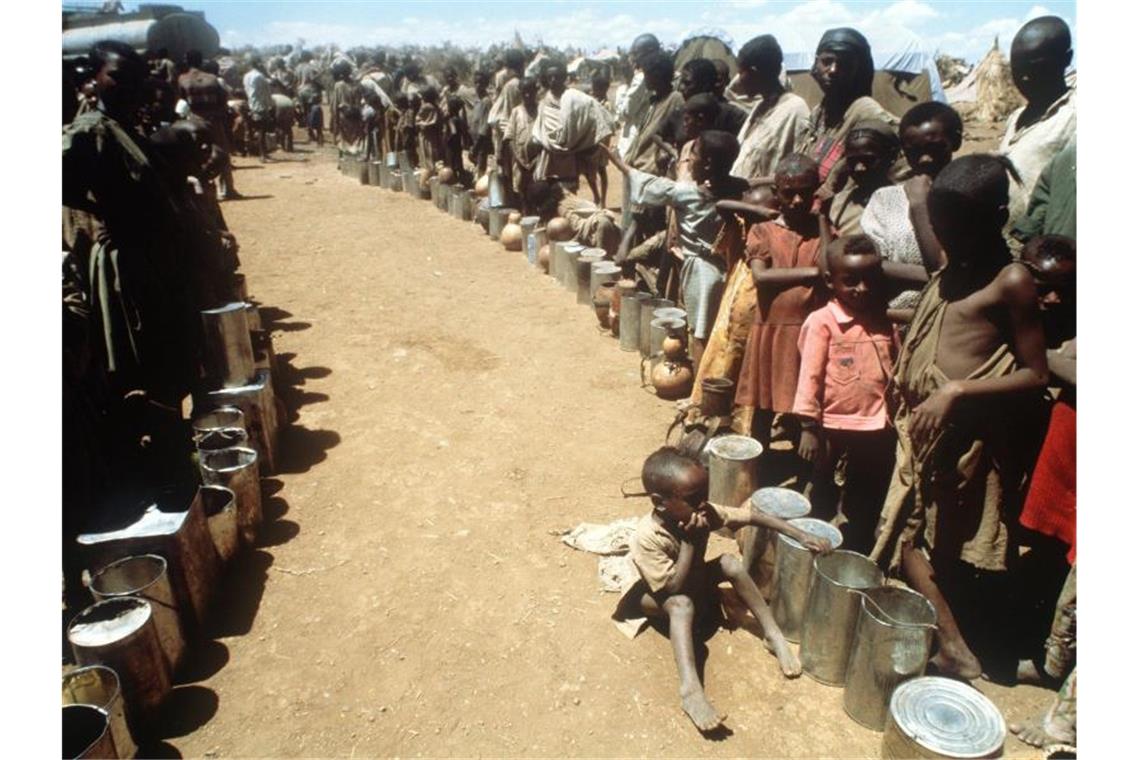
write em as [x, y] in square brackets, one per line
[797, 26]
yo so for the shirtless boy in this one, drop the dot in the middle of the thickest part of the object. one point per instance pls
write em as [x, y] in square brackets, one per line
[677, 582]
[971, 377]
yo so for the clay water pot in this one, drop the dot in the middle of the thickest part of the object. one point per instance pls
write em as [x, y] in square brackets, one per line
[482, 186]
[511, 236]
[514, 218]
[672, 380]
[447, 176]
[558, 230]
[603, 303]
[544, 258]
[673, 347]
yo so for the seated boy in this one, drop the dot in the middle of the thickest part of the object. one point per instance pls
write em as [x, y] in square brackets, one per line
[698, 222]
[676, 581]
[593, 226]
[971, 380]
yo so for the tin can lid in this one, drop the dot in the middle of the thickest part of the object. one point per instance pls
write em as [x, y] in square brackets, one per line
[947, 717]
[739, 447]
[109, 621]
[817, 528]
[572, 247]
[781, 502]
[531, 220]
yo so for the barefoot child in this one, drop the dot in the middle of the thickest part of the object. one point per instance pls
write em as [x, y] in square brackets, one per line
[847, 350]
[784, 257]
[698, 223]
[970, 378]
[677, 583]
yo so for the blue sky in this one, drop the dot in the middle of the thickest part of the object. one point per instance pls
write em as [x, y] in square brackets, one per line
[965, 29]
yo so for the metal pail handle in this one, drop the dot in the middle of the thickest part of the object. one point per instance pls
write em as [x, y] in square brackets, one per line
[893, 621]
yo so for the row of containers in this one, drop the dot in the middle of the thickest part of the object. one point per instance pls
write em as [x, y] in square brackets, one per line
[154, 580]
[654, 327]
[855, 631]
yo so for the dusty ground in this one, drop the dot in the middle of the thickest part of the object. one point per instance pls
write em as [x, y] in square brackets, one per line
[453, 408]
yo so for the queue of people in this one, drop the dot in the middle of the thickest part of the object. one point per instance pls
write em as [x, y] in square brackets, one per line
[903, 317]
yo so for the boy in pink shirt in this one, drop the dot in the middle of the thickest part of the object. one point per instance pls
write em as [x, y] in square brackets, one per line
[847, 351]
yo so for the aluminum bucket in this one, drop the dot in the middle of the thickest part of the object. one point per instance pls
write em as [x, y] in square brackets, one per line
[892, 645]
[98, 686]
[467, 203]
[495, 191]
[434, 190]
[557, 255]
[236, 469]
[217, 419]
[87, 733]
[220, 507]
[120, 633]
[374, 173]
[584, 267]
[452, 204]
[145, 577]
[603, 271]
[396, 181]
[411, 183]
[258, 404]
[534, 243]
[228, 352]
[644, 319]
[383, 178]
[733, 462]
[528, 225]
[181, 536]
[629, 321]
[568, 275]
[481, 212]
[362, 171]
[658, 329]
[832, 612]
[933, 717]
[671, 312]
[446, 193]
[794, 574]
[779, 502]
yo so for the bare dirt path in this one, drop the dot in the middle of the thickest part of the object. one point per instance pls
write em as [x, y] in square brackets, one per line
[453, 407]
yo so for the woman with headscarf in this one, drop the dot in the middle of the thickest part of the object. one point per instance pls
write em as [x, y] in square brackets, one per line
[844, 70]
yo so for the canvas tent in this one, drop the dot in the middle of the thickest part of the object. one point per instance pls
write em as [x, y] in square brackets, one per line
[705, 46]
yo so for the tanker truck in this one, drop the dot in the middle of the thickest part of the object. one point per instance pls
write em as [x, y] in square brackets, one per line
[152, 27]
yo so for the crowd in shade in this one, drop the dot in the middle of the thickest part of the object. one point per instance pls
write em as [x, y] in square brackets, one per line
[899, 313]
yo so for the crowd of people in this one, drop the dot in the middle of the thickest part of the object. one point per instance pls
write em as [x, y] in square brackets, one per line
[902, 316]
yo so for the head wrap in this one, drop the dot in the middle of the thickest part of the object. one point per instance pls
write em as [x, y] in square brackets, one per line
[853, 43]
[879, 131]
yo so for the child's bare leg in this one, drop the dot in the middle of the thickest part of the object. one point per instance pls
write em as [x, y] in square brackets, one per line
[681, 613]
[593, 183]
[734, 570]
[954, 657]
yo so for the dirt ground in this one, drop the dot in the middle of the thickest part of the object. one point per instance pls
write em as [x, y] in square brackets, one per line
[452, 409]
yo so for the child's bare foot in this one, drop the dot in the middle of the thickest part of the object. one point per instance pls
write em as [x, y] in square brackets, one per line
[789, 663]
[697, 706]
[956, 661]
[1055, 731]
